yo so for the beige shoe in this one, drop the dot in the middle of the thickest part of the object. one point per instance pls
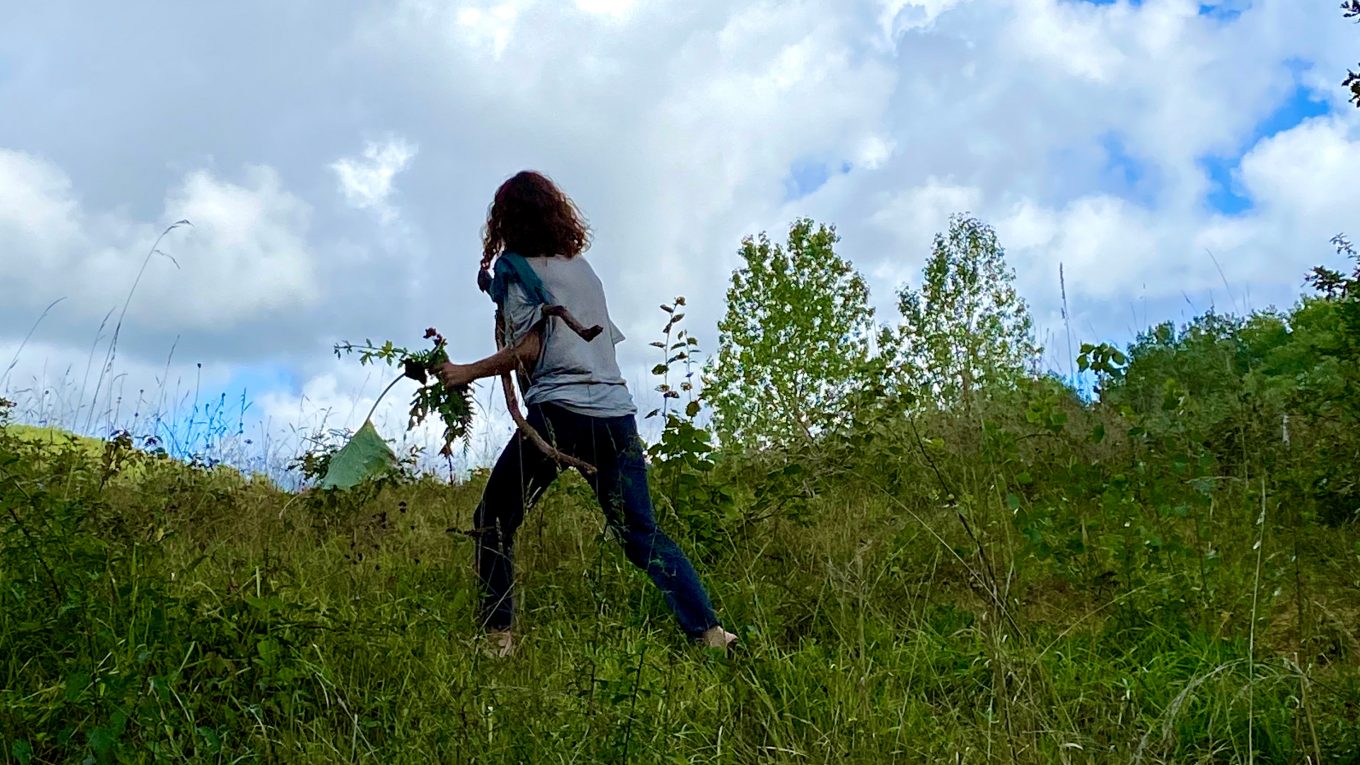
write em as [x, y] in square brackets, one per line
[502, 644]
[717, 637]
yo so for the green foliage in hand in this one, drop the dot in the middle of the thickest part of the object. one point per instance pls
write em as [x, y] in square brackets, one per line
[453, 406]
[794, 341]
[966, 328]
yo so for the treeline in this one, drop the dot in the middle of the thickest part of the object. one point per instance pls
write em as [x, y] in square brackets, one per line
[802, 362]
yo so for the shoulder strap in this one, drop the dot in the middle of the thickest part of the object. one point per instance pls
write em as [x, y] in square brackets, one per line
[511, 267]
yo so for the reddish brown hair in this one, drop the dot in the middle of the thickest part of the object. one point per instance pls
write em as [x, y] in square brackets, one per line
[530, 216]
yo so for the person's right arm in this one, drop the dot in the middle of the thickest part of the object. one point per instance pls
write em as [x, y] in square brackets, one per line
[521, 356]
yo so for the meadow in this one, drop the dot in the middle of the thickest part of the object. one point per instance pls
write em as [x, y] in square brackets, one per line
[1163, 570]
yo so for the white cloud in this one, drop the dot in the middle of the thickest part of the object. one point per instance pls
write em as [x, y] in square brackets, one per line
[873, 151]
[366, 181]
[898, 16]
[245, 255]
[917, 213]
[614, 9]
[1306, 172]
[1077, 39]
[489, 27]
[1103, 243]
[676, 128]
[37, 207]
[1114, 249]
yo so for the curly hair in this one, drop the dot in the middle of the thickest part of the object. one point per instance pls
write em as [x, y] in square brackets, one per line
[530, 216]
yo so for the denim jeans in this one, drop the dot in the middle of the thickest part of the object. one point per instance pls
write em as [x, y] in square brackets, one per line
[523, 472]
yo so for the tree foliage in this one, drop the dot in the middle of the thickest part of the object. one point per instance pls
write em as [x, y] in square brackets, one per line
[1351, 10]
[1334, 317]
[966, 328]
[1275, 392]
[795, 340]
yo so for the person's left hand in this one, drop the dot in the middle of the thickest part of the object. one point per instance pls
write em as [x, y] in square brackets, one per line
[454, 375]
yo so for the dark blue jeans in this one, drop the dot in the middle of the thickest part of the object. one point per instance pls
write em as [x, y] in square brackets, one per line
[523, 472]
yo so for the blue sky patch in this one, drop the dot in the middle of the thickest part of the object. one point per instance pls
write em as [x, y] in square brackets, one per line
[196, 428]
[1123, 171]
[806, 176]
[1302, 104]
[1219, 10]
[1222, 10]
[222, 411]
[1225, 195]
[260, 377]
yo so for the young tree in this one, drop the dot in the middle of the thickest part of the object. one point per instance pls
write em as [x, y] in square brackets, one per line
[966, 329]
[794, 342]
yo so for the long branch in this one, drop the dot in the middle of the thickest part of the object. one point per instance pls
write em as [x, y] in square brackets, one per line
[532, 433]
[512, 403]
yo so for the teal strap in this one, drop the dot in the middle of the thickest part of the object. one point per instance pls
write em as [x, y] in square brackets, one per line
[511, 267]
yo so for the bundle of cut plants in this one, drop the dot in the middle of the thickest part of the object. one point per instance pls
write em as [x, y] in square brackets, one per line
[367, 455]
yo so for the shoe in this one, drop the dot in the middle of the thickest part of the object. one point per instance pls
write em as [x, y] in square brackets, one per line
[719, 638]
[502, 644]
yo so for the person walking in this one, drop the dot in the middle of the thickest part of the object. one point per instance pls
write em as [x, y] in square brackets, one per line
[577, 400]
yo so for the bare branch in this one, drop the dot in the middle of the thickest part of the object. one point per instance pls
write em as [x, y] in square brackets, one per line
[512, 403]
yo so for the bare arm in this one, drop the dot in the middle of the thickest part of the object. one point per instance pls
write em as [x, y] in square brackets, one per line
[522, 355]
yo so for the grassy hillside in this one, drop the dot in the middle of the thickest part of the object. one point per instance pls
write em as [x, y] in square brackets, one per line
[936, 562]
[56, 438]
[1029, 581]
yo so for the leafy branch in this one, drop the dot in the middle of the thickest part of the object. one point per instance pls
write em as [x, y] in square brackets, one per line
[453, 406]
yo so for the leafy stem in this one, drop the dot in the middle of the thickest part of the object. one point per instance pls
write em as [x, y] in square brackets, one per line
[453, 406]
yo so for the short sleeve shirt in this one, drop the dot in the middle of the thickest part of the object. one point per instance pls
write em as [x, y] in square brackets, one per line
[572, 373]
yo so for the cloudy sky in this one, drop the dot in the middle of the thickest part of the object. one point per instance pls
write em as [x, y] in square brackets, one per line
[336, 160]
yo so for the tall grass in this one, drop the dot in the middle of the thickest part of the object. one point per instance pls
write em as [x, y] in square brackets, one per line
[1030, 578]
[198, 615]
